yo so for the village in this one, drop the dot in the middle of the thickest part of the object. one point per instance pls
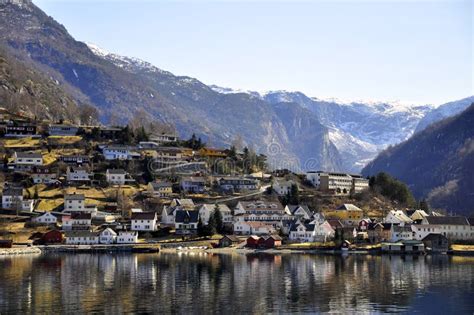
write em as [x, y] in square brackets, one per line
[69, 187]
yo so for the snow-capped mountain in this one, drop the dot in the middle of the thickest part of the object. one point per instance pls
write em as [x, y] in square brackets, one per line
[444, 111]
[359, 130]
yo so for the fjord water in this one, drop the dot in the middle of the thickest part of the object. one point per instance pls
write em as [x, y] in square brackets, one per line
[217, 283]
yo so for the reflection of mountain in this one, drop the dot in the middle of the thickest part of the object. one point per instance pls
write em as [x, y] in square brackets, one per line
[171, 283]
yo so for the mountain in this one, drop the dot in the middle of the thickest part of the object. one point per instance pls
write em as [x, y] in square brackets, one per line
[120, 87]
[437, 163]
[359, 130]
[30, 92]
[444, 111]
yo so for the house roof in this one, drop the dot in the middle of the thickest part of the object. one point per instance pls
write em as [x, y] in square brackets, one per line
[349, 206]
[143, 216]
[308, 227]
[12, 191]
[82, 234]
[335, 223]
[193, 179]
[384, 226]
[117, 171]
[305, 208]
[455, 220]
[28, 155]
[232, 238]
[190, 216]
[74, 196]
[184, 202]
[433, 237]
[261, 205]
[157, 185]
[211, 207]
[400, 215]
[399, 228]
[275, 237]
[81, 216]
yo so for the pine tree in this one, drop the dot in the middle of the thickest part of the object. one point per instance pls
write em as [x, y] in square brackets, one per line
[211, 226]
[218, 219]
[200, 228]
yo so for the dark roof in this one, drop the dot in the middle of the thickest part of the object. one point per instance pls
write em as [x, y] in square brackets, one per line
[187, 216]
[471, 221]
[447, 220]
[335, 223]
[275, 237]
[385, 226]
[81, 216]
[305, 208]
[118, 171]
[232, 238]
[143, 215]
[74, 196]
[12, 191]
[81, 234]
[308, 227]
[433, 237]
[29, 155]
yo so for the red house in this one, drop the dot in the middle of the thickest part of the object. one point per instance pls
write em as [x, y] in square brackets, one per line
[52, 237]
[269, 241]
[252, 241]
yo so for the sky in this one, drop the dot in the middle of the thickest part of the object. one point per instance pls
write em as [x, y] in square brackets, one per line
[411, 51]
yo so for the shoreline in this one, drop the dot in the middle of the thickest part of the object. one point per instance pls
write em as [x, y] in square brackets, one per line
[156, 248]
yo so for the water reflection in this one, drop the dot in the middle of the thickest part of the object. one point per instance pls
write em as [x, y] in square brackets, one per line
[209, 283]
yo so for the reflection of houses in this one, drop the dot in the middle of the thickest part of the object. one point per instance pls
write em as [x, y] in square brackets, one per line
[186, 222]
[453, 227]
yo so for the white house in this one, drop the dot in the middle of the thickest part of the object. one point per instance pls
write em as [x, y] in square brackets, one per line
[271, 212]
[282, 187]
[144, 221]
[253, 228]
[401, 233]
[77, 221]
[107, 236]
[82, 238]
[74, 202]
[397, 217]
[27, 159]
[453, 227]
[46, 218]
[311, 232]
[186, 222]
[43, 175]
[127, 237]
[116, 176]
[193, 184]
[119, 152]
[299, 211]
[12, 198]
[160, 189]
[206, 210]
[232, 183]
[78, 174]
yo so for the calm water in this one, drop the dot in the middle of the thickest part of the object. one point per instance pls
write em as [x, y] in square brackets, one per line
[205, 283]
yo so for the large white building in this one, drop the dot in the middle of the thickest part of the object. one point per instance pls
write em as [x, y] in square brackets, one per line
[269, 212]
[337, 183]
[206, 210]
[127, 237]
[46, 218]
[116, 176]
[312, 232]
[453, 227]
[74, 202]
[12, 199]
[119, 152]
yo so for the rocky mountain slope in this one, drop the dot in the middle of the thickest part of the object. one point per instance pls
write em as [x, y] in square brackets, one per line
[22, 89]
[120, 87]
[437, 163]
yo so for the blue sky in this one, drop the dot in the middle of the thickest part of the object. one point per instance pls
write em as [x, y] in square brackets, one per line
[414, 51]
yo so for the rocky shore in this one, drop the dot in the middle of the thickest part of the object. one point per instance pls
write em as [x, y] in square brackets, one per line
[19, 251]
